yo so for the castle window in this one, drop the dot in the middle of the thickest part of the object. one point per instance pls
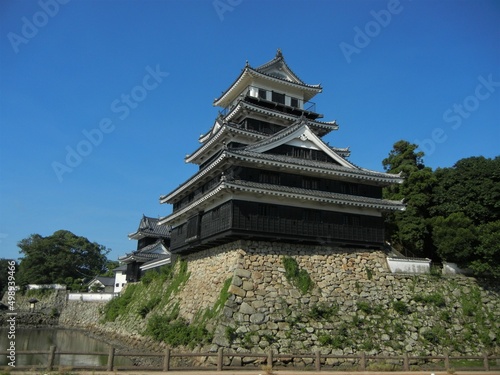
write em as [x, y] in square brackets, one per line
[294, 102]
[278, 98]
[269, 178]
[262, 94]
[216, 213]
[310, 183]
[268, 210]
[352, 220]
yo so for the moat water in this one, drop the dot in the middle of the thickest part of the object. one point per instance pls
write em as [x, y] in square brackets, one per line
[41, 339]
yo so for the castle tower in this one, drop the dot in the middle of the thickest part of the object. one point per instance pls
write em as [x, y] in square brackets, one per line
[266, 174]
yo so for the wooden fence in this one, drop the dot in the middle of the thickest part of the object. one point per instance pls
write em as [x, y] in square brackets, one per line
[223, 360]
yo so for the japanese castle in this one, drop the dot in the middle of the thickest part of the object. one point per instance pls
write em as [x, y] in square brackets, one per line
[266, 174]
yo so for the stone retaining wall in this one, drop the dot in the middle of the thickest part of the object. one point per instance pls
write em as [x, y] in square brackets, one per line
[402, 313]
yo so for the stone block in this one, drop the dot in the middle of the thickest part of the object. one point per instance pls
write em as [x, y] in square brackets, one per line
[242, 273]
[283, 326]
[247, 285]
[233, 289]
[257, 318]
[245, 308]
[237, 281]
[258, 304]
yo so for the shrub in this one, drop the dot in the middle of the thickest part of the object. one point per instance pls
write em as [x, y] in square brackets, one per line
[399, 328]
[435, 335]
[434, 298]
[118, 305]
[296, 276]
[338, 341]
[149, 276]
[176, 333]
[322, 311]
[365, 307]
[400, 307]
[148, 306]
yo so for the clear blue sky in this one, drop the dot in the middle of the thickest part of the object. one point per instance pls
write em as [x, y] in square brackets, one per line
[143, 75]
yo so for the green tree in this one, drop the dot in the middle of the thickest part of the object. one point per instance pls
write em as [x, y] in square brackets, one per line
[59, 258]
[409, 230]
[455, 238]
[487, 253]
[110, 266]
[471, 186]
[4, 275]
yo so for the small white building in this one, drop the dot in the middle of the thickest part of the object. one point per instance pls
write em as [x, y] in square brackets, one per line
[120, 278]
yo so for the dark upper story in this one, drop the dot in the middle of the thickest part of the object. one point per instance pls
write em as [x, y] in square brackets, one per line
[278, 178]
[238, 219]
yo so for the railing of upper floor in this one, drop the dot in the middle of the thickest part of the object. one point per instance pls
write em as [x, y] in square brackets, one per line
[274, 98]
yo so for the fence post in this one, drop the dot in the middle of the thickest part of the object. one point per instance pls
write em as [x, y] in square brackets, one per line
[317, 361]
[447, 361]
[486, 363]
[406, 362]
[111, 358]
[220, 359]
[52, 356]
[270, 358]
[166, 360]
[362, 361]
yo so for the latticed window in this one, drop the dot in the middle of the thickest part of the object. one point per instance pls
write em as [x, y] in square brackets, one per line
[268, 210]
[278, 98]
[310, 183]
[269, 178]
[193, 227]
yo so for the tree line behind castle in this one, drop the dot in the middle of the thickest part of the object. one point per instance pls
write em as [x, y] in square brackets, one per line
[452, 214]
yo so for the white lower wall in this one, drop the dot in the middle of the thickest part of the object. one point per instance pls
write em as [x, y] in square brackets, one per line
[409, 265]
[91, 297]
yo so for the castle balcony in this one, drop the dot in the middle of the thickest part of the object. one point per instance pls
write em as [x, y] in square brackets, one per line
[275, 100]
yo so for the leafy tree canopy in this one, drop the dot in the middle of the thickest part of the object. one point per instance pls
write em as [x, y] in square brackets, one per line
[452, 214]
[408, 230]
[4, 275]
[60, 258]
[471, 186]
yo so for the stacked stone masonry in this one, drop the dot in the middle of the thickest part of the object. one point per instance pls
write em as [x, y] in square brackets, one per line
[266, 311]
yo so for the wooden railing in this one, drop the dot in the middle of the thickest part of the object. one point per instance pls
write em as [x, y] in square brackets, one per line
[359, 362]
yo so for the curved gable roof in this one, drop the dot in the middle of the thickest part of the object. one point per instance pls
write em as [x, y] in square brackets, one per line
[275, 70]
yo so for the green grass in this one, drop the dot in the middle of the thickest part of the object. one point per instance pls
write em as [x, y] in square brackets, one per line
[323, 311]
[435, 299]
[400, 307]
[148, 306]
[119, 305]
[297, 276]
